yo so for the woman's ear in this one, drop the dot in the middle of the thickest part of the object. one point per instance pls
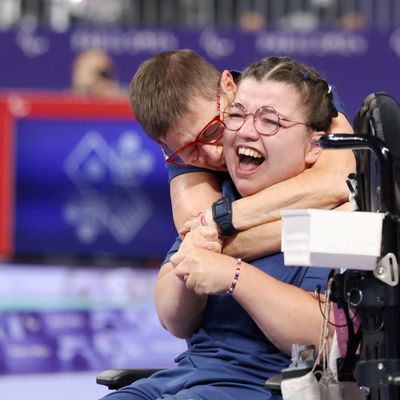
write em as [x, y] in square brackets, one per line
[228, 85]
[313, 150]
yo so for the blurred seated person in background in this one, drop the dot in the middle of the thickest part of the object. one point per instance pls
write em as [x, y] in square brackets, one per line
[351, 21]
[251, 21]
[240, 320]
[94, 74]
[178, 97]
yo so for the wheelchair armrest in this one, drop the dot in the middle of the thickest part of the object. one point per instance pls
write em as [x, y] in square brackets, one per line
[273, 384]
[118, 378]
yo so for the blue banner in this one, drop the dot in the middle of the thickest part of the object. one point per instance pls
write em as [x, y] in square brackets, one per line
[357, 63]
[90, 188]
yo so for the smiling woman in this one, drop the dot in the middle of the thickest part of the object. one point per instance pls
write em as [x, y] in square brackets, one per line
[290, 106]
[256, 160]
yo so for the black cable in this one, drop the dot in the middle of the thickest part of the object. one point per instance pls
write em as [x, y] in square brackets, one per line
[318, 293]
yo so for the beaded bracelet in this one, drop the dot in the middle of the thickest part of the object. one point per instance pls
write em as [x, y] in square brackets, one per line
[236, 277]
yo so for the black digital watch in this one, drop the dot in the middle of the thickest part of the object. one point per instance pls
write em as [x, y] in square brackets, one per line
[222, 215]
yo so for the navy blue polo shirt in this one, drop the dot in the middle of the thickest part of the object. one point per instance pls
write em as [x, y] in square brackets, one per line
[229, 345]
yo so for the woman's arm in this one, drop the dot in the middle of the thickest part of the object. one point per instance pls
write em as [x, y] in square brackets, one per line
[179, 310]
[286, 314]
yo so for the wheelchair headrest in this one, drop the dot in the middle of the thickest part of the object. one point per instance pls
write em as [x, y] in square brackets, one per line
[379, 115]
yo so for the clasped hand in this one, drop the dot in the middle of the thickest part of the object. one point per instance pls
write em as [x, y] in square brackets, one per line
[203, 218]
[197, 261]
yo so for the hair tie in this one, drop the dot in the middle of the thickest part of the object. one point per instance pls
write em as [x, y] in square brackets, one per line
[305, 75]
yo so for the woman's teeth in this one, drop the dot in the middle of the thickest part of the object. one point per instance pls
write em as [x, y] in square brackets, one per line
[249, 152]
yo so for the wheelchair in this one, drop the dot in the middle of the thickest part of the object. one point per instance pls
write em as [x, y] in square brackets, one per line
[372, 359]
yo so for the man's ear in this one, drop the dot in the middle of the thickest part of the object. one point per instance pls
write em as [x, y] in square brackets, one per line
[228, 85]
[313, 150]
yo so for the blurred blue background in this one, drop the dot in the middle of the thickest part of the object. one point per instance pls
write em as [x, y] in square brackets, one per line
[84, 206]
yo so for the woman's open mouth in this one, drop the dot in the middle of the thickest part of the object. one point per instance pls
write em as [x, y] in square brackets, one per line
[249, 160]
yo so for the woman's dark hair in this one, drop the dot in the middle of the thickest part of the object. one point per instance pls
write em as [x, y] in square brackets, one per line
[315, 92]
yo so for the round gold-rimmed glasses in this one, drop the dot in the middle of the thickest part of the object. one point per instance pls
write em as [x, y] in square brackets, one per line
[266, 120]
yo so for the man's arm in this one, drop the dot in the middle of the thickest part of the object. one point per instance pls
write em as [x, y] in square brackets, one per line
[316, 187]
[191, 193]
[268, 241]
[244, 245]
[322, 186]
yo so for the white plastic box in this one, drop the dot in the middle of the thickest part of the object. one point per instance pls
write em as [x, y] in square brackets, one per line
[332, 239]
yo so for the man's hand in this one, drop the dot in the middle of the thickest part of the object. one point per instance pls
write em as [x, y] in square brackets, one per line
[203, 218]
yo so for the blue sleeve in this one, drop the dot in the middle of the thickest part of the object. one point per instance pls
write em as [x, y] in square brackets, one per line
[174, 248]
[174, 171]
[337, 102]
[315, 276]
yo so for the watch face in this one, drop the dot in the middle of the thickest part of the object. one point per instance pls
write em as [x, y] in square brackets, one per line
[222, 214]
[220, 208]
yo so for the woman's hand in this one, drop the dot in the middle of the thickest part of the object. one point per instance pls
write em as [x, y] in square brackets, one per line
[203, 271]
[202, 237]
